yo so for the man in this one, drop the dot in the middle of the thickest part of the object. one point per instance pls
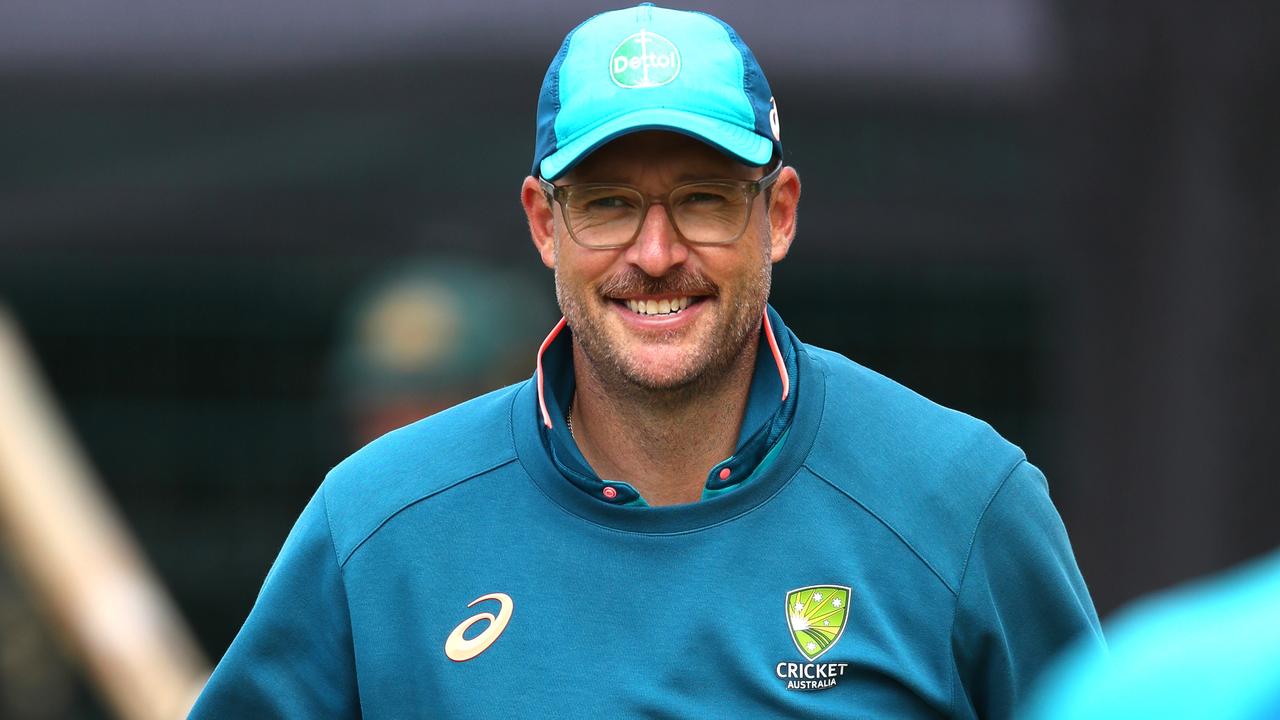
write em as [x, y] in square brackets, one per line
[685, 512]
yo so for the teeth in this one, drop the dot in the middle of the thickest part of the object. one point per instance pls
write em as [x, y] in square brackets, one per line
[658, 307]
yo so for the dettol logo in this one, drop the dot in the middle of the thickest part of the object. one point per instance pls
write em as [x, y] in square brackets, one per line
[643, 60]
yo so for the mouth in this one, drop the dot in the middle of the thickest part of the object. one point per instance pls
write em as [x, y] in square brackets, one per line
[667, 306]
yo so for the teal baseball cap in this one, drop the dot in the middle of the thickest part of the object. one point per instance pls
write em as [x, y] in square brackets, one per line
[652, 68]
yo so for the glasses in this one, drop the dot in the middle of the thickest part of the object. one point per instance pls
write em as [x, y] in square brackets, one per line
[707, 212]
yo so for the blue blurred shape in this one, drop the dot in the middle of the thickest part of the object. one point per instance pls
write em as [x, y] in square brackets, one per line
[1208, 650]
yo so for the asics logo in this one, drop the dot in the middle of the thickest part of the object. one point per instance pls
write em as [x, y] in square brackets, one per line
[460, 649]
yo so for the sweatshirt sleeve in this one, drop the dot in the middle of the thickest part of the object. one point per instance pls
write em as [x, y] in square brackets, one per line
[1021, 599]
[293, 658]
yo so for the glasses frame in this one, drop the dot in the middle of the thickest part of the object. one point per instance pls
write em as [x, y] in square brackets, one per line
[559, 195]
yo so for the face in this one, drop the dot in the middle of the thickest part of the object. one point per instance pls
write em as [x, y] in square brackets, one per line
[708, 299]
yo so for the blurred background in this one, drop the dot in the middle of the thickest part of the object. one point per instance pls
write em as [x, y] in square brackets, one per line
[242, 238]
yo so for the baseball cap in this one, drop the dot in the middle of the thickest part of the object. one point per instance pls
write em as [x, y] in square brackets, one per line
[652, 68]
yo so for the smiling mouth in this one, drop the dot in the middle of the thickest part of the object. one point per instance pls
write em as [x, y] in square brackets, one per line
[665, 306]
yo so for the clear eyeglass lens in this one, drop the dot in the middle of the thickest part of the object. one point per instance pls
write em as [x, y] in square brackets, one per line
[703, 213]
[710, 213]
[603, 215]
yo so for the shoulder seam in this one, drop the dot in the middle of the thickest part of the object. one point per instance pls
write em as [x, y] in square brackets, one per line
[343, 561]
[887, 525]
[328, 523]
[973, 537]
[964, 571]
[333, 544]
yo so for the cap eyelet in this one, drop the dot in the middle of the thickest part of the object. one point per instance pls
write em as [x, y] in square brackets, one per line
[724, 473]
[609, 492]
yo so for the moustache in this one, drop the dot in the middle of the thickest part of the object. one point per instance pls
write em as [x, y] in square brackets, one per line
[632, 282]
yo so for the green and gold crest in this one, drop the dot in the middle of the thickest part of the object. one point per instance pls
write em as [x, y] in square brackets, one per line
[816, 617]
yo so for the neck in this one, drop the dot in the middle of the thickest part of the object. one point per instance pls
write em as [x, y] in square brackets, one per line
[662, 443]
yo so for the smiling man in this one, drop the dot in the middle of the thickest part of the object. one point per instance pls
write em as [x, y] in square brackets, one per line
[662, 256]
[685, 511]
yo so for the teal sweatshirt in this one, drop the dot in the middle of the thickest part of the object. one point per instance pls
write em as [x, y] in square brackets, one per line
[865, 553]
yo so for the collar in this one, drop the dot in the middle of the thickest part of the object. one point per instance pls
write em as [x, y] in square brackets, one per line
[766, 419]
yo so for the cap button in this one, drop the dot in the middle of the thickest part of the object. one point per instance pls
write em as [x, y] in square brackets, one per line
[724, 473]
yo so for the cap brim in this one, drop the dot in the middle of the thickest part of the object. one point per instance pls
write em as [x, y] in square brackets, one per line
[731, 139]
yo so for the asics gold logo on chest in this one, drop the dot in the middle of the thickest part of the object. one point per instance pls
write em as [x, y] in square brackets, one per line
[459, 648]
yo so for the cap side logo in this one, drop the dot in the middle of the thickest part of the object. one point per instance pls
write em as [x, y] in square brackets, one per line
[644, 60]
[459, 648]
[816, 616]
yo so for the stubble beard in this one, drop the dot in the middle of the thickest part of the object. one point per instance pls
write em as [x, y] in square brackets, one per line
[706, 367]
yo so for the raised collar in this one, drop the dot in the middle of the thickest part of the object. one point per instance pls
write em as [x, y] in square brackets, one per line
[770, 408]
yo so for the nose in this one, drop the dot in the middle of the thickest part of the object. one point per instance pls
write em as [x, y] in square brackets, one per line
[657, 248]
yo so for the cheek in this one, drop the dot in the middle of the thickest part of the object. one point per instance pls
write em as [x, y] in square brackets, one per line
[760, 227]
[740, 261]
[578, 266]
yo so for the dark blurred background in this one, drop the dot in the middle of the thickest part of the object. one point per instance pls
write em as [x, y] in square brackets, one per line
[224, 226]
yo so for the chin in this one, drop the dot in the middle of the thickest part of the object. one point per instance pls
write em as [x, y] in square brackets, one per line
[664, 367]
[645, 378]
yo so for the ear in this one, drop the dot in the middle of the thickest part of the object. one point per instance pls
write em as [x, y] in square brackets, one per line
[542, 222]
[784, 199]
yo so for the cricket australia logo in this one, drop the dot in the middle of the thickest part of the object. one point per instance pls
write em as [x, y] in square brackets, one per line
[644, 60]
[816, 618]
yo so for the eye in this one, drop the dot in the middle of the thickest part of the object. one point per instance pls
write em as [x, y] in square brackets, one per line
[609, 202]
[604, 199]
[704, 196]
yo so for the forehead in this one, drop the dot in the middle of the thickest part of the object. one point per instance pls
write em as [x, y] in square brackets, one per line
[657, 152]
